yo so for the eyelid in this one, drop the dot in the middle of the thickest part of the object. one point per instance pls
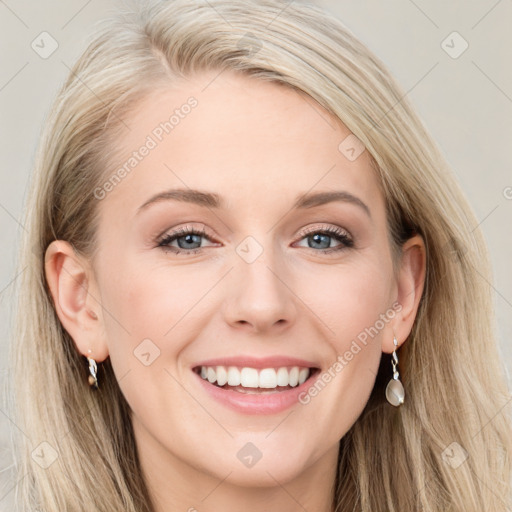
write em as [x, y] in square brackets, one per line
[185, 228]
[183, 231]
[328, 228]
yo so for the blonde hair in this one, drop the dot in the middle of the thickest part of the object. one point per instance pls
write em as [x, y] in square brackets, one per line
[450, 367]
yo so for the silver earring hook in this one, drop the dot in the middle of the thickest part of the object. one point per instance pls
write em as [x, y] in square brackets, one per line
[93, 370]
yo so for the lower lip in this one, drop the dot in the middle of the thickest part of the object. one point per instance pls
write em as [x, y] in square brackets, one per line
[255, 403]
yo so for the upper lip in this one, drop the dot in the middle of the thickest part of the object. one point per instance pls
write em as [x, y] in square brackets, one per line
[257, 362]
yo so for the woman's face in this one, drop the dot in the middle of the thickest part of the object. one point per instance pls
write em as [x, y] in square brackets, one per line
[264, 279]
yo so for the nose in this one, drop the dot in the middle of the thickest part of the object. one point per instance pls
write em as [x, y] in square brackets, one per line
[260, 296]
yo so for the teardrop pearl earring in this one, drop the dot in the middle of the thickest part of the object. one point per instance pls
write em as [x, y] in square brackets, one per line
[395, 392]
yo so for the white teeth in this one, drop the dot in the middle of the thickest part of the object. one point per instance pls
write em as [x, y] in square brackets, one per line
[294, 376]
[303, 375]
[233, 376]
[222, 375]
[267, 378]
[249, 378]
[282, 377]
[212, 375]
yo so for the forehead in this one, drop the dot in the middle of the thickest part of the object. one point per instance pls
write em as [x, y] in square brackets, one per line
[251, 141]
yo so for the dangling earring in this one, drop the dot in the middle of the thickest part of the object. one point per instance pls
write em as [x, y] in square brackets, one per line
[395, 392]
[93, 368]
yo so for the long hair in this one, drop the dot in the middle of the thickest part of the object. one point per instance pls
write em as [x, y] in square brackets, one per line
[446, 449]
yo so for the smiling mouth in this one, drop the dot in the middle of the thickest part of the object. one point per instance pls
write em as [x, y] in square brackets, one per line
[256, 381]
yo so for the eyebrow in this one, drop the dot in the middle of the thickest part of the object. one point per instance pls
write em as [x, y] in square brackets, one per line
[212, 200]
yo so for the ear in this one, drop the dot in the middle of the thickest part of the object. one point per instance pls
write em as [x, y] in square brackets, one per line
[410, 284]
[71, 282]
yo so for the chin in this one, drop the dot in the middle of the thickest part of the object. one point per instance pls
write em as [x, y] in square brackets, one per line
[271, 474]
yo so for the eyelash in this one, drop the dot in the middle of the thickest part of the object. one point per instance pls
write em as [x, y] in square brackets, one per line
[337, 233]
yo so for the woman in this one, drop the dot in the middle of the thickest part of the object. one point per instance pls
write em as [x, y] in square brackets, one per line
[327, 341]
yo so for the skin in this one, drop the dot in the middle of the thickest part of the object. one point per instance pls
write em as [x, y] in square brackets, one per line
[258, 145]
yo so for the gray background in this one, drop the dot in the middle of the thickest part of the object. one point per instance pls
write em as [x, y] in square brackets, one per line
[466, 103]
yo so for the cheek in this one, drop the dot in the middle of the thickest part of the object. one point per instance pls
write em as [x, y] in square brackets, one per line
[149, 319]
[162, 304]
[348, 299]
[355, 308]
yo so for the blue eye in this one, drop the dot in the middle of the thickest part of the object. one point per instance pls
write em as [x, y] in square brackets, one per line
[322, 238]
[189, 240]
[185, 237]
